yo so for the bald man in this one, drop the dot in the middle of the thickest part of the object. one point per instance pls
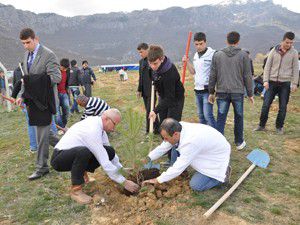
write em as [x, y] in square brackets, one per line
[85, 147]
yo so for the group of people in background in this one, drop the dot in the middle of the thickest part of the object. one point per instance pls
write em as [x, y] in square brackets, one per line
[222, 75]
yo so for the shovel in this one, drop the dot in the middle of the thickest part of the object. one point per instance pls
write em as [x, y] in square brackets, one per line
[150, 165]
[259, 158]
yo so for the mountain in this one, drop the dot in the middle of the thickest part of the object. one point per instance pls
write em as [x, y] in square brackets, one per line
[113, 37]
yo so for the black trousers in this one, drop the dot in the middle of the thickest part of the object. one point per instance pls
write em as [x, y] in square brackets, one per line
[174, 112]
[77, 160]
[147, 104]
[283, 91]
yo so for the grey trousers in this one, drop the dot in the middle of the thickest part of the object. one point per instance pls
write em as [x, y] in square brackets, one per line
[88, 90]
[44, 137]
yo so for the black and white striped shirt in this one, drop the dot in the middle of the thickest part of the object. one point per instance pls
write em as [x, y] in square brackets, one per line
[94, 107]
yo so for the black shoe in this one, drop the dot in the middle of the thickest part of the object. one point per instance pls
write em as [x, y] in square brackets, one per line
[228, 175]
[37, 175]
[259, 128]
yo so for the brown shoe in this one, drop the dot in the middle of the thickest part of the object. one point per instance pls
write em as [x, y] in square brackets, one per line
[79, 196]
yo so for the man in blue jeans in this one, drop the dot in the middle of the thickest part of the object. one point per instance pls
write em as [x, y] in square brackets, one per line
[230, 75]
[201, 70]
[197, 145]
[63, 109]
[281, 74]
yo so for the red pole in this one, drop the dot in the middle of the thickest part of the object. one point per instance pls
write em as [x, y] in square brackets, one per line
[187, 49]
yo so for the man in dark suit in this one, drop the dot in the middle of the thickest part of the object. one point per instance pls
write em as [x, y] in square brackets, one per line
[145, 82]
[39, 61]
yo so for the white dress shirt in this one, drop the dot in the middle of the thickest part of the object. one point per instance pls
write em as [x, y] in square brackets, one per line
[200, 146]
[89, 133]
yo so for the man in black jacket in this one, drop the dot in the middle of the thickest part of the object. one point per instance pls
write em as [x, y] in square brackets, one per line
[74, 82]
[87, 74]
[168, 85]
[145, 82]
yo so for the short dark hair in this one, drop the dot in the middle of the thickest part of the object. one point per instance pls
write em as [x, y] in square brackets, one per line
[155, 52]
[170, 126]
[73, 62]
[27, 33]
[143, 46]
[288, 35]
[200, 36]
[65, 62]
[84, 61]
[233, 37]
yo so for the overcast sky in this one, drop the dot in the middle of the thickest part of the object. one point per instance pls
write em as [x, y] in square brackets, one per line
[88, 7]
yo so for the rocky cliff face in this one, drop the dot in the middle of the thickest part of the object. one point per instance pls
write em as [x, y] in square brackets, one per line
[113, 37]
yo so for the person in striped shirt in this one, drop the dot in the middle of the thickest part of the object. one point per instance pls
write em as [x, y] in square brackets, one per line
[93, 106]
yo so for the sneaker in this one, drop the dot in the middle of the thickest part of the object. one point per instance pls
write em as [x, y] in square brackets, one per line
[279, 131]
[79, 196]
[33, 150]
[260, 128]
[228, 175]
[241, 146]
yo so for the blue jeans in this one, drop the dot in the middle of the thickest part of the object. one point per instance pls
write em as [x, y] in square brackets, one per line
[75, 92]
[283, 91]
[200, 182]
[205, 109]
[64, 104]
[31, 132]
[223, 102]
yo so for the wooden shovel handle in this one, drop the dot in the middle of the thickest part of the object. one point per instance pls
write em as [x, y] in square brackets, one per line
[151, 109]
[229, 192]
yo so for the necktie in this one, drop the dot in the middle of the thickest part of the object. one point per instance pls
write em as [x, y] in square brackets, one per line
[174, 153]
[30, 61]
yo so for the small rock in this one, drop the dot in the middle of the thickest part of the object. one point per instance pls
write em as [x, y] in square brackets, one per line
[138, 220]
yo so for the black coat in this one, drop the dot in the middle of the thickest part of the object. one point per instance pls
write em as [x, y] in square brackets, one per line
[170, 89]
[145, 78]
[39, 99]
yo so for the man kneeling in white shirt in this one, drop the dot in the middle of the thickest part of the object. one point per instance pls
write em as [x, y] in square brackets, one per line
[85, 147]
[197, 145]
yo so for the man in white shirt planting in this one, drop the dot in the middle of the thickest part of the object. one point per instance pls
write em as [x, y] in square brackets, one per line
[200, 146]
[85, 147]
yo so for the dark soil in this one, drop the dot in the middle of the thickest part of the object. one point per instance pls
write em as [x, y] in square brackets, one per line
[141, 176]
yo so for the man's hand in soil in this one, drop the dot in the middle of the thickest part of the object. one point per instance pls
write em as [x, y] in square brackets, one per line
[151, 181]
[131, 186]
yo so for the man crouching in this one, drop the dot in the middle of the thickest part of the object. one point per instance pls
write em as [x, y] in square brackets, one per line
[85, 147]
[197, 145]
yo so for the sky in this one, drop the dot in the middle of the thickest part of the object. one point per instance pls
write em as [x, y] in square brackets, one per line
[88, 7]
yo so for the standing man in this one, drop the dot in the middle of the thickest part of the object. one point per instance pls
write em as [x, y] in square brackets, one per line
[281, 72]
[63, 109]
[40, 94]
[92, 106]
[2, 86]
[168, 85]
[87, 74]
[84, 148]
[230, 74]
[200, 146]
[74, 83]
[145, 83]
[201, 71]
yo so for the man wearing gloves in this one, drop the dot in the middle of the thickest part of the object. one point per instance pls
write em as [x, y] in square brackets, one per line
[200, 146]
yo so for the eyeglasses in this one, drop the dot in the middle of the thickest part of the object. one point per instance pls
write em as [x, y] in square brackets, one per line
[114, 123]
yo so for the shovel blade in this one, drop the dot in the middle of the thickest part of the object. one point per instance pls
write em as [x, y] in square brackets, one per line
[150, 165]
[259, 158]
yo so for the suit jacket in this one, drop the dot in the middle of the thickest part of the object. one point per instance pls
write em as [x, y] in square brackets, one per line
[44, 62]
